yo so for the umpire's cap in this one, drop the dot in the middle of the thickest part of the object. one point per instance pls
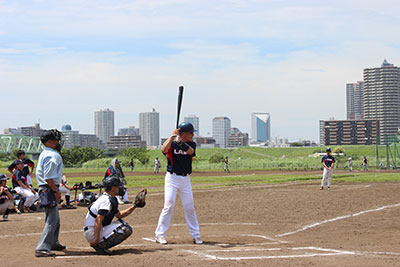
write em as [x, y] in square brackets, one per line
[328, 149]
[110, 181]
[186, 127]
[3, 177]
[52, 134]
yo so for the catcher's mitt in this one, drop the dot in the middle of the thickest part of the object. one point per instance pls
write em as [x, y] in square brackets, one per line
[140, 200]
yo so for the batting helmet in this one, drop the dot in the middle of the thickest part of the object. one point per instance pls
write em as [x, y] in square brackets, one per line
[186, 127]
[328, 149]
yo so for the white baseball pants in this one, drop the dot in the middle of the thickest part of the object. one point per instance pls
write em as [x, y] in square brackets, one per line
[64, 190]
[105, 231]
[327, 175]
[30, 197]
[178, 184]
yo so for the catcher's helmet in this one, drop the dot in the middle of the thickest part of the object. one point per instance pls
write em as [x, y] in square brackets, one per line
[52, 134]
[111, 181]
[328, 149]
[186, 127]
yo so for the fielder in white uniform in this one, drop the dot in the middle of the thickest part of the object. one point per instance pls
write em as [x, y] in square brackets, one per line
[179, 154]
[328, 161]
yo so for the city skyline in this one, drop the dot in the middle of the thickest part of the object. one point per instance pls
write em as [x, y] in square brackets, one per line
[233, 57]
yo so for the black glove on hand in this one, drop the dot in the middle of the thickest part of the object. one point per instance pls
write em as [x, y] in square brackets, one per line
[183, 145]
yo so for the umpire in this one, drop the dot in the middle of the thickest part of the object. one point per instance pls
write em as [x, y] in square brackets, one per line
[49, 174]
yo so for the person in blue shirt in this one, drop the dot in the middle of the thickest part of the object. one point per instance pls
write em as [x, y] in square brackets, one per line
[180, 150]
[49, 173]
[327, 161]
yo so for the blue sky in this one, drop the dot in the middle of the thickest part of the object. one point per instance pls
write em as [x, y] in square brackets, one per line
[62, 60]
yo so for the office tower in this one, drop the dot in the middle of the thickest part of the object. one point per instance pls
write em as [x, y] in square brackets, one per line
[104, 124]
[149, 128]
[221, 128]
[382, 99]
[195, 121]
[355, 100]
[261, 127]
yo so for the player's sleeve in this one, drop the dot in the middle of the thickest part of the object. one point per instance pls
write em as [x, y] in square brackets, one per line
[12, 166]
[169, 150]
[30, 163]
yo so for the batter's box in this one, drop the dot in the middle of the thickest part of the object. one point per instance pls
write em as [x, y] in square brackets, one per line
[268, 253]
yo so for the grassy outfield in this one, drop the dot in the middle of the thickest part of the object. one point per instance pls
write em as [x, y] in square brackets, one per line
[156, 183]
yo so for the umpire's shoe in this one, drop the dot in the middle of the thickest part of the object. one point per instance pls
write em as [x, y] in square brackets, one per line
[44, 253]
[59, 247]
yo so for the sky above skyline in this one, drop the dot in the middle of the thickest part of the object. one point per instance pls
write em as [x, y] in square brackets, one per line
[60, 61]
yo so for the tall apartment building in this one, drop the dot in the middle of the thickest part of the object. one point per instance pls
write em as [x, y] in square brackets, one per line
[382, 99]
[149, 127]
[261, 127]
[355, 100]
[348, 132]
[221, 127]
[104, 124]
[193, 119]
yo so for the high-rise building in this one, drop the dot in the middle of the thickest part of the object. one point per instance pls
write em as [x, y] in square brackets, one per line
[348, 132]
[261, 127]
[221, 128]
[382, 99]
[355, 100]
[193, 119]
[149, 128]
[104, 124]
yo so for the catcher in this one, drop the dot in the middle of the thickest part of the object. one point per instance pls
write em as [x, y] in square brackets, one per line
[100, 230]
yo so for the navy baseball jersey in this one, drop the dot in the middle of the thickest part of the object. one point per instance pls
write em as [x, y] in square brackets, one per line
[3, 196]
[27, 163]
[17, 176]
[329, 160]
[179, 161]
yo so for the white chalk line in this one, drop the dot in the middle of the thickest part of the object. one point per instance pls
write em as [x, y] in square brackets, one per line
[307, 227]
[136, 226]
[266, 237]
[326, 252]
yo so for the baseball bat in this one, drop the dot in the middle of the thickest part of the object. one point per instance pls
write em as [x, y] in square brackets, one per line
[180, 96]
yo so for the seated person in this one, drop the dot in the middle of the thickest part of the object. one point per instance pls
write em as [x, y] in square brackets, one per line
[64, 188]
[6, 198]
[22, 187]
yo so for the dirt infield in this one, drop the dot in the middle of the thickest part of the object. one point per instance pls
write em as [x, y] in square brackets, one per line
[293, 224]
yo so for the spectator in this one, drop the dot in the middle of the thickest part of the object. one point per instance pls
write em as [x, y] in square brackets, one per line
[6, 198]
[27, 163]
[22, 187]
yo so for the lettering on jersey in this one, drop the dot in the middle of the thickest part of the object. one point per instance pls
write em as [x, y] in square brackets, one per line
[177, 152]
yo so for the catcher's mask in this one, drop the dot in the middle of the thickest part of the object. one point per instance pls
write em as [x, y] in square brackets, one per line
[111, 181]
[53, 134]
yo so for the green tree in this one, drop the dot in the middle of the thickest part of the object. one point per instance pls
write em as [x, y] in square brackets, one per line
[216, 158]
[141, 154]
[76, 156]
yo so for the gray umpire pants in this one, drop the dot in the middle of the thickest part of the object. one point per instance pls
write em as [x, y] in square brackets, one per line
[51, 230]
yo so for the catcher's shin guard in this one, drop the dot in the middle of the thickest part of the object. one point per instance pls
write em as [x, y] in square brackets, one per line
[122, 232]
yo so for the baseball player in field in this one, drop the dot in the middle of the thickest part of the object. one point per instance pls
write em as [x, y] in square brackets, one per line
[180, 150]
[156, 165]
[100, 230]
[328, 161]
